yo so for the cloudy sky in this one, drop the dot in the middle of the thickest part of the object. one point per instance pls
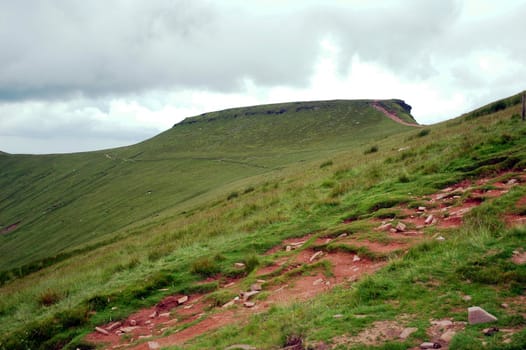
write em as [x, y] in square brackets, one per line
[80, 75]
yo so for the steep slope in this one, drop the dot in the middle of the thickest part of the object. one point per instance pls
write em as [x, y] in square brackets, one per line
[467, 172]
[58, 204]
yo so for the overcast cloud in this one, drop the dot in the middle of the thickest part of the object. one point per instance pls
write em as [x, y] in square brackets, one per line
[85, 75]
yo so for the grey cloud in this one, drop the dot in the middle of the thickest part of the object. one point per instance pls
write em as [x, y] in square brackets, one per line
[63, 48]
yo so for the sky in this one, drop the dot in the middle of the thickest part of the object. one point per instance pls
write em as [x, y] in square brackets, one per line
[80, 75]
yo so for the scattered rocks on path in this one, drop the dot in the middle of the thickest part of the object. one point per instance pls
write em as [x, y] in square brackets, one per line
[478, 315]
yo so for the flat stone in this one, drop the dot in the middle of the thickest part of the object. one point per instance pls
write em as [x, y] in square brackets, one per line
[448, 335]
[466, 297]
[401, 227]
[342, 235]
[248, 295]
[430, 345]
[385, 227]
[478, 315]
[315, 256]
[256, 287]
[249, 304]
[261, 281]
[182, 300]
[153, 345]
[113, 326]
[102, 331]
[164, 314]
[440, 238]
[429, 220]
[239, 265]
[338, 316]
[356, 258]
[230, 303]
[128, 329]
[407, 332]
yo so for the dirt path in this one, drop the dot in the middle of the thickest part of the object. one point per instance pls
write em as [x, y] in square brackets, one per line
[178, 318]
[393, 116]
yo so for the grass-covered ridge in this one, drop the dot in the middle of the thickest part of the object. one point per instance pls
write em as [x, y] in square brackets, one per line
[55, 206]
[337, 191]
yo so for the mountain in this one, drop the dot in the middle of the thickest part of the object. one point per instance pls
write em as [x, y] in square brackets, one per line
[312, 224]
[56, 204]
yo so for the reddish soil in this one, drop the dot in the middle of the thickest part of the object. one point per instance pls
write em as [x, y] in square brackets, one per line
[150, 324]
[393, 116]
[10, 228]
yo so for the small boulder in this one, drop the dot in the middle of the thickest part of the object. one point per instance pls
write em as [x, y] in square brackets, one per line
[356, 258]
[343, 235]
[133, 323]
[154, 314]
[401, 227]
[430, 345]
[440, 238]
[288, 248]
[421, 209]
[478, 315]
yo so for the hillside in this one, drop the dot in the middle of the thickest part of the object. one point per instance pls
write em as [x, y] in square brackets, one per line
[327, 217]
[56, 204]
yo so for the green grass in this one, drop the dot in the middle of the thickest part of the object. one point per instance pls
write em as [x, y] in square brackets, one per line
[175, 240]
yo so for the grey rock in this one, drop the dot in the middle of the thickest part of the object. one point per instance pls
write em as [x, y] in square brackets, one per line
[478, 315]
[429, 345]
[401, 227]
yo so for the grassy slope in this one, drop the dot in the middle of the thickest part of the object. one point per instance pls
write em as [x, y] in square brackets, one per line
[303, 198]
[68, 202]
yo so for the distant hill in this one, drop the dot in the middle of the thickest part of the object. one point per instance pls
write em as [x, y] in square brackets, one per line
[58, 204]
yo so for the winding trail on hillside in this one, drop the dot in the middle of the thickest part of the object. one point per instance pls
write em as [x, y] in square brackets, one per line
[393, 116]
[178, 319]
